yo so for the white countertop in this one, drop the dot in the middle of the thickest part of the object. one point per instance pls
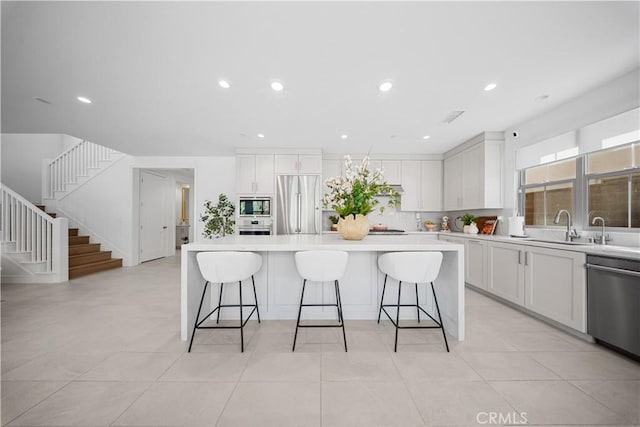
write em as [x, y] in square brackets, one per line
[591, 249]
[285, 243]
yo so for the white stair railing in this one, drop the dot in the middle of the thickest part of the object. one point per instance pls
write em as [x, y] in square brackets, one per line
[75, 162]
[44, 239]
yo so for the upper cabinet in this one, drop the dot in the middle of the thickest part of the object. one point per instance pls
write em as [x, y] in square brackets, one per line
[293, 164]
[254, 174]
[330, 169]
[422, 185]
[473, 178]
[392, 170]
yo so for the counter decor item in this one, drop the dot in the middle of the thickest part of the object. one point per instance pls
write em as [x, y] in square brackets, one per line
[444, 224]
[354, 195]
[429, 225]
[473, 228]
[487, 224]
[218, 220]
[334, 222]
[466, 220]
[516, 226]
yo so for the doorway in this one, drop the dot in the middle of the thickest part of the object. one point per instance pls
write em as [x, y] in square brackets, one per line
[154, 221]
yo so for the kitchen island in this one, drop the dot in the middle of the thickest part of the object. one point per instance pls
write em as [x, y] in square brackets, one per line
[279, 286]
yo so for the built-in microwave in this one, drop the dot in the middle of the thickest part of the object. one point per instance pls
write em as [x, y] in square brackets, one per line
[254, 206]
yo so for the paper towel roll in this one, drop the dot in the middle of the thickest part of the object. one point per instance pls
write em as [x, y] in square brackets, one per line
[516, 226]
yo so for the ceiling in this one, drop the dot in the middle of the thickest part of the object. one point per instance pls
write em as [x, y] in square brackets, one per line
[152, 69]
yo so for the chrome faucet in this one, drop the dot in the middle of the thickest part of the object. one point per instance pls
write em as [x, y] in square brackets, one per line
[570, 234]
[603, 238]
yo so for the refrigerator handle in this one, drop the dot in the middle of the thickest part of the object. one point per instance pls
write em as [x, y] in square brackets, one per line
[299, 219]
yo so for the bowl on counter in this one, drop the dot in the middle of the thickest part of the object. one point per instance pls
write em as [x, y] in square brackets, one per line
[379, 227]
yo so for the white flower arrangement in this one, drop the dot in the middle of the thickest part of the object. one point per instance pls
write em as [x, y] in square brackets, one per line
[356, 191]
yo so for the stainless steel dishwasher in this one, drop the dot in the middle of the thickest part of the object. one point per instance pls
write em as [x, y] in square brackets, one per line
[613, 303]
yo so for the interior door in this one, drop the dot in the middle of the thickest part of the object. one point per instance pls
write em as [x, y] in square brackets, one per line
[153, 216]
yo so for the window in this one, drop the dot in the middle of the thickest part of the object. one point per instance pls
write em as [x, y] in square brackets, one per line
[614, 186]
[546, 189]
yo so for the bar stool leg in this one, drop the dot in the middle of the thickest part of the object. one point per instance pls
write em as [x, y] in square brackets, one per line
[417, 303]
[241, 323]
[195, 325]
[219, 302]
[295, 336]
[340, 316]
[256, 297]
[382, 297]
[435, 299]
[395, 347]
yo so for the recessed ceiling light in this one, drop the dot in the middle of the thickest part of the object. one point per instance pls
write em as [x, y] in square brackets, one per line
[277, 86]
[542, 97]
[385, 86]
[344, 136]
[44, 101]
[260, 135]
[426, 137]
[224, 84]
[84, 100]
[490, 86]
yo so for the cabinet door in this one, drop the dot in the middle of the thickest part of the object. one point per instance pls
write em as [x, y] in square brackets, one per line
[431, 185]
[286, 163]
[452, 182]
[472, 177]
[392, 171]
[506, 272]
[410, 199]
[555, 285]
[309, 163]
[245, 173]
[264, 174]
[475, 261]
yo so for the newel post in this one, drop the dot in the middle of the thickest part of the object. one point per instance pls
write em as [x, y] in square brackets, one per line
[60, 249]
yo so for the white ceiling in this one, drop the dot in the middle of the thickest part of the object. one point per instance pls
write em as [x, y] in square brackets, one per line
[151, 70]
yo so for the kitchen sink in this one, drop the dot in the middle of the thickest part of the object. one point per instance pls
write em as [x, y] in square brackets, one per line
[560, 242]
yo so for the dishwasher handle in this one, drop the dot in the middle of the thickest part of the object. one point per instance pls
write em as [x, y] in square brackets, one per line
[614, 270]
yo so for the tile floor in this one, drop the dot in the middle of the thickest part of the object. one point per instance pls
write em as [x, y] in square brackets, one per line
[105, 350]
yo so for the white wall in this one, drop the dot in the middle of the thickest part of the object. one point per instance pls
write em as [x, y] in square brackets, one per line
[22, 156]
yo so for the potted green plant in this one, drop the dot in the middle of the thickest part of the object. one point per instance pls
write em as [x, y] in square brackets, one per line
[333, 219]
[218, 220]
[355, 194]
[467, 219]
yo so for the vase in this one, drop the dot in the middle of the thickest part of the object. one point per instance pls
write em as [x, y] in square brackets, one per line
[353, 227]
[465, 229]
[473, 228]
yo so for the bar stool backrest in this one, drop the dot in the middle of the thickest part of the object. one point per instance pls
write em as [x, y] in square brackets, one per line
[321, 266]
[226, 267]
[412, 267]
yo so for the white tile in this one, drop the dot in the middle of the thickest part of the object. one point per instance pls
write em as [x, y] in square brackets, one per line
[622, 397]
[131, 367]
[83, 404]
[507, 366]
[55, 367]
[419, 367]
[207, 367]
[357, 366]
[589, 365]
[19, 396]
[274, 404]
[554, 402]
[287, 367]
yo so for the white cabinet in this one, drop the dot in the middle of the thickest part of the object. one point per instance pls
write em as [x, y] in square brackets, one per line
[473, 179]
[254, 174]
[506, 273]
[422, 185]
[475, 263]
[555, 285]
[392, 170]
[298, 163]
[453, 182]
[550, 282]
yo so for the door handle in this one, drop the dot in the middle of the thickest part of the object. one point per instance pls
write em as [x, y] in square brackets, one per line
[519, 257]
[526, 258]
[165, 227]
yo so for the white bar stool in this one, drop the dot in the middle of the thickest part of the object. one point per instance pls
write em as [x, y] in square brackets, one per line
[225, 267]
[412, 267]
[321, 266]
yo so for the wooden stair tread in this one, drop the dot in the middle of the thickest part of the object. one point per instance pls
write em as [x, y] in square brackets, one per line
[73, 232]
[78, 240]
[84, 248]
[94, 267]
[88, 258]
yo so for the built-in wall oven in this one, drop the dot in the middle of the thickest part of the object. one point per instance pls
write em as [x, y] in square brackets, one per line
[254, 216]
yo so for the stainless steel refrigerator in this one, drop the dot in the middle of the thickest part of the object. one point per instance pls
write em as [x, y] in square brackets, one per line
[298, 204]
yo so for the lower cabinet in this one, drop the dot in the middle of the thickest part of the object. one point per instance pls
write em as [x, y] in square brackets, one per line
[475, 263]
[550, 282]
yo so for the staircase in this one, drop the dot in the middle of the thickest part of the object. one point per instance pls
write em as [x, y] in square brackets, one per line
[85, 257]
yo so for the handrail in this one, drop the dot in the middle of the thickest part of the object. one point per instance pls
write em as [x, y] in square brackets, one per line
[73, 163]
[43, 238]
